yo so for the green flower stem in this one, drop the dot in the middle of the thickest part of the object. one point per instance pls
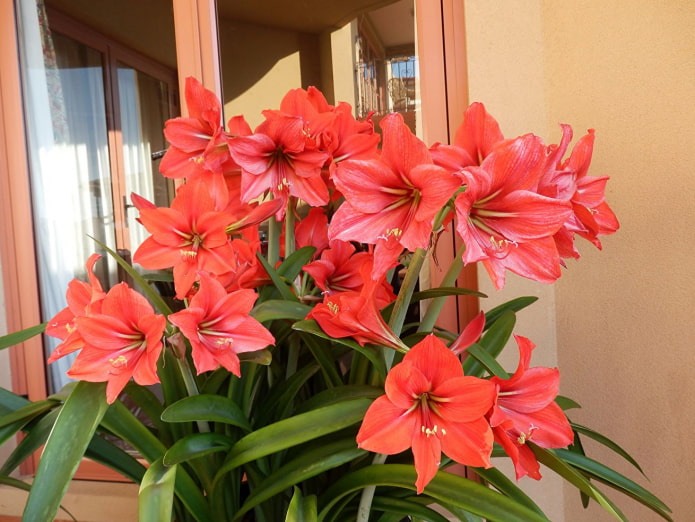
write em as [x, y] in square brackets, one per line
[191, 388]
[365, 506]
[400, 307]
[273, 241]
[289, 226]
[435, 307]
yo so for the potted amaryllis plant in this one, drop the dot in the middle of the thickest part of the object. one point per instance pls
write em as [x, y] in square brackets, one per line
[295, 380]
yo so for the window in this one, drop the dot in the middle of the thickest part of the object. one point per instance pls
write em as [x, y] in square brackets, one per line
[96, 112]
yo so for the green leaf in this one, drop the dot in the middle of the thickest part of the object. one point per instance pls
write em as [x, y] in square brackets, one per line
[326, 359]
[615, 480]
[292, 266]
[35, 438]
[211, 408]
[487, 360]
[293, 431]
[606, 442]
[66, 445]
[280, 309]
[110, 455]
[15, 338]
[406, 507]
[552, 461]
[156, 496]
[309, 464]
[311, 326]
[566, 403]
[28, 412]
[514, 305]
[278, 281]
[196, 445]
[339, 394]
[301, 508]
[433, 293]
[120, 421]
[504, 485]
[444, 487]
[493, 341]
[10, 402]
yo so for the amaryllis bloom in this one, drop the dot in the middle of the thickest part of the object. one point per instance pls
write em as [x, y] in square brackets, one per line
[470, 334]
[219, 326]
[190, 236]
[475, 139]
[276, 159]
[122, 341]
[313, 230]
[198, 143]
[397, 195]
[525, 411]
[503, 220]
[591, 216]
[83, 299]
[356, 315]
[341, 269]
[431, 407]
[391, 202]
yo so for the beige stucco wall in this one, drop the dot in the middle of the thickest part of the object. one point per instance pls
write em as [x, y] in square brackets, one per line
[260, 64]
[622, 318]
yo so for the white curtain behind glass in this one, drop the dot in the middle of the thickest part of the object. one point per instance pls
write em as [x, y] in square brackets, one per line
[68, 153]
[137, 152]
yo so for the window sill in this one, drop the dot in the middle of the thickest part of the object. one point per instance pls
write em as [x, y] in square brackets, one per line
[87, 501]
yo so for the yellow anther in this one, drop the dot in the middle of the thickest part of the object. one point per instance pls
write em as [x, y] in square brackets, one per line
[333, 307]
[119, 361]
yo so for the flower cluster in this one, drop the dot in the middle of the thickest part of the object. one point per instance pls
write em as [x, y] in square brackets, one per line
[316, 172]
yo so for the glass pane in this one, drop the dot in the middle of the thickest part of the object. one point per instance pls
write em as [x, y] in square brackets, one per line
[69, 161]
[368, 61]
[144, 107]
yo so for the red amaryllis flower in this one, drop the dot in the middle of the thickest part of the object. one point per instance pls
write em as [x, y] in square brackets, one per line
[340, 269]
[313, 230]
[123, 340]
[198, 143]
[277, 158]
[431, 407]
[83, 299]
[219, 326]
[525, 411]
[356, 315]
[475, 139]
[503, 221]
[591, 216]
[397, 195]
[190, 236]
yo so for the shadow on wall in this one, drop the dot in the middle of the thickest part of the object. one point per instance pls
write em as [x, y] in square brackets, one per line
[251, 55]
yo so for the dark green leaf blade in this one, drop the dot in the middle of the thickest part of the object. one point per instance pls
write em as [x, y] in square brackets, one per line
[66, 445]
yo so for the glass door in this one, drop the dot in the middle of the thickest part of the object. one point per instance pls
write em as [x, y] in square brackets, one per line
[94, 116]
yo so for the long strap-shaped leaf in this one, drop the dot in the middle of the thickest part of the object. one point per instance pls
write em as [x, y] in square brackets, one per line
[615, 480]
[292, 432]
[66, 445]
[575, 478]
[156, 496]
[306, 465]
[444, 487]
